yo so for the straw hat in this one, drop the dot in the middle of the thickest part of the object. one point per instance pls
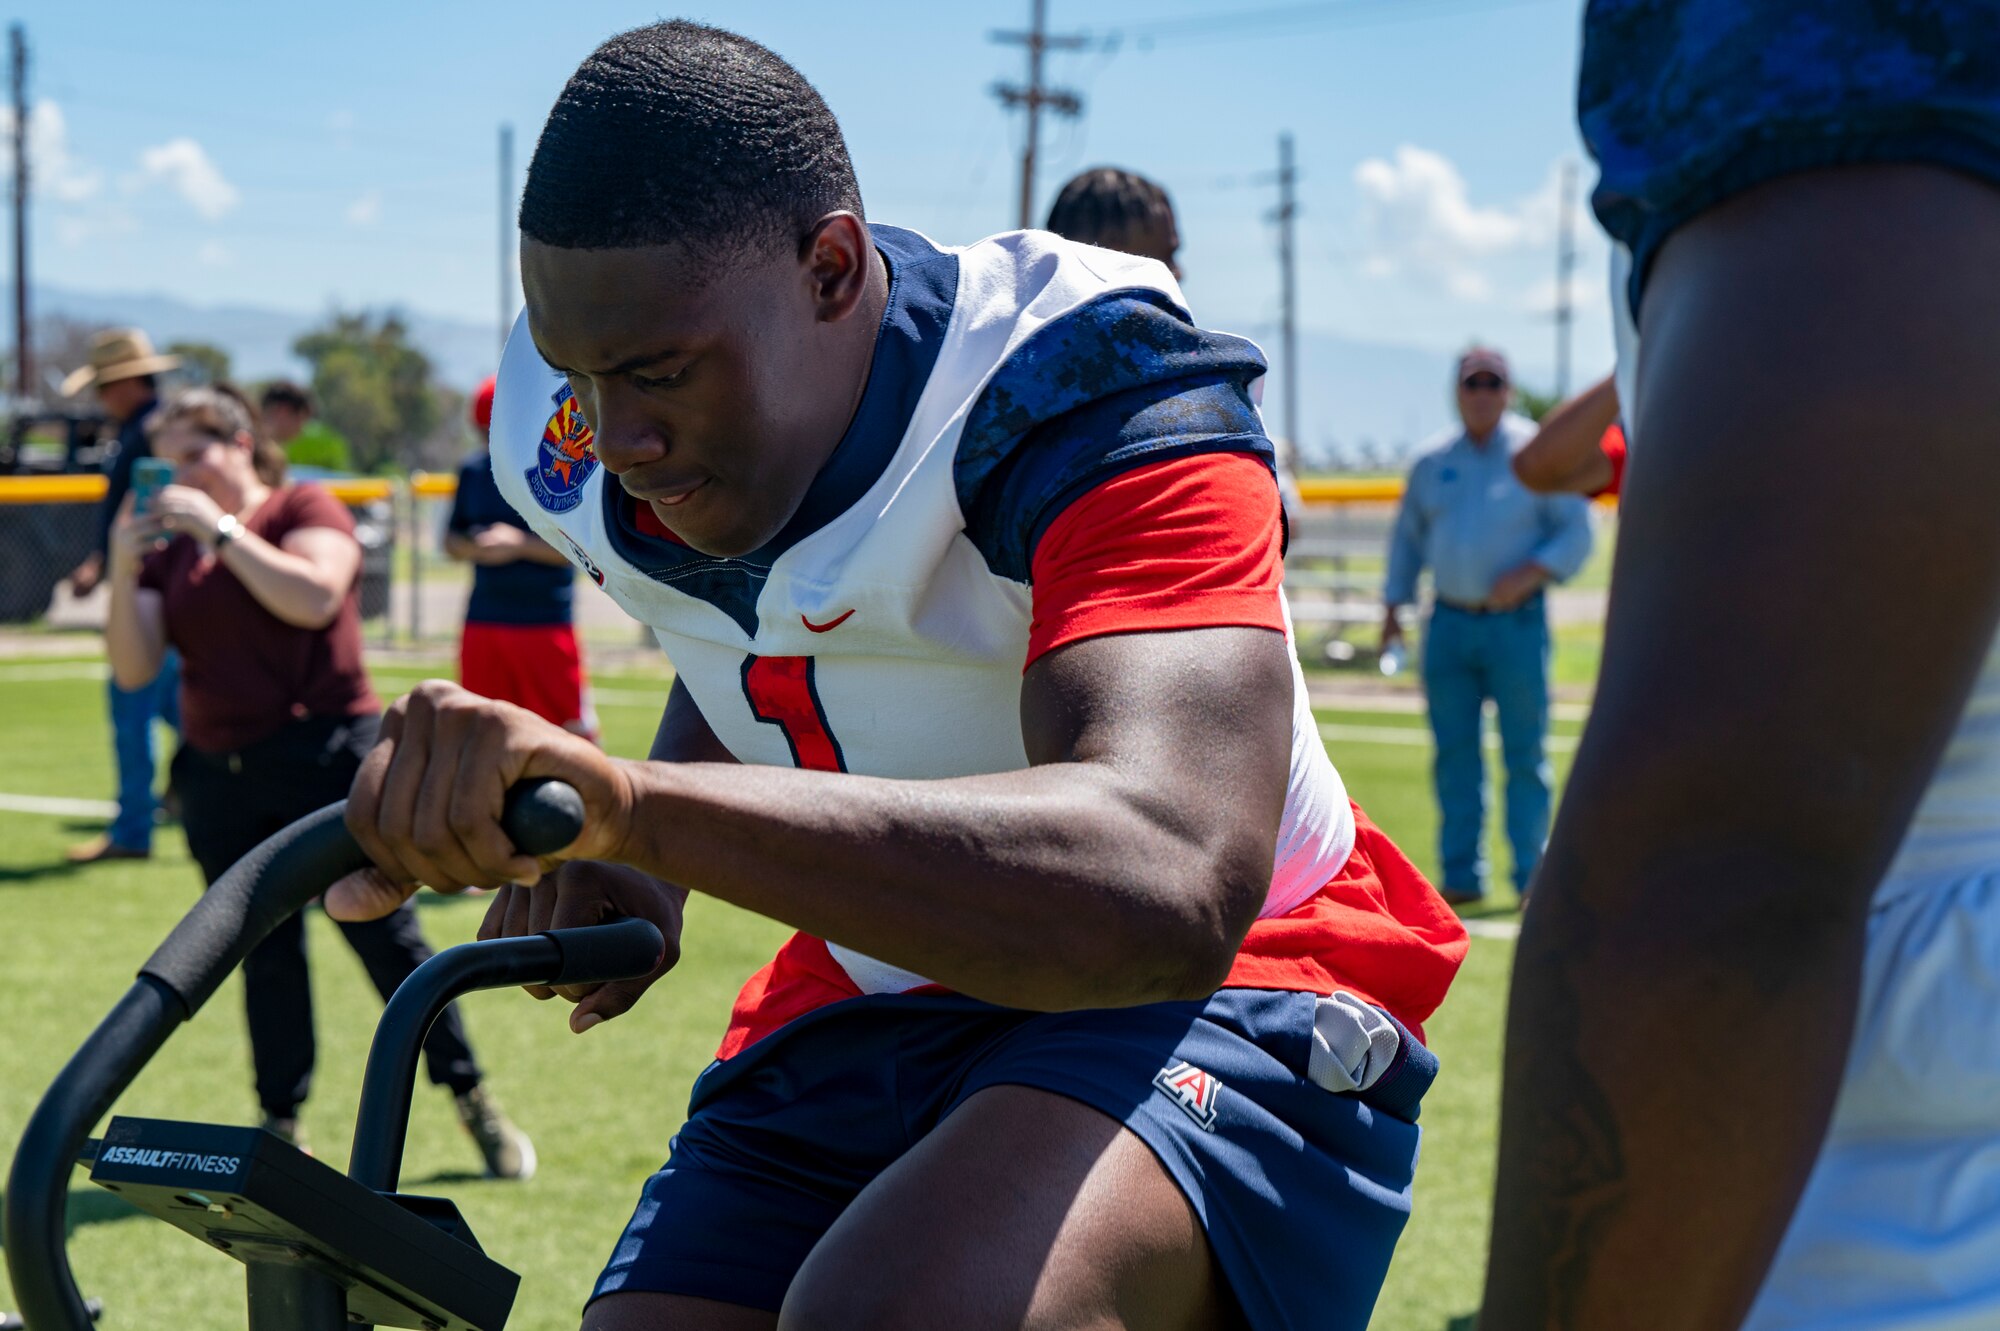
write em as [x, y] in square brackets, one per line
[117, 353]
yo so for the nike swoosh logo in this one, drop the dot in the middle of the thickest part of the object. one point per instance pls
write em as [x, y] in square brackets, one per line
[827, 627]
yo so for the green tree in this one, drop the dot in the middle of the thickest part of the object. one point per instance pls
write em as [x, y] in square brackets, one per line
[373, 386]
[1533, 405]
[203, 362]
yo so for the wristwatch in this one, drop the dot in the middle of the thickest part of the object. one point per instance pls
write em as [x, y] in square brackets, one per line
[227, 529]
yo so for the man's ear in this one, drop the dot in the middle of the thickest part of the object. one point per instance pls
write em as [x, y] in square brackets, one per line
[835, 256]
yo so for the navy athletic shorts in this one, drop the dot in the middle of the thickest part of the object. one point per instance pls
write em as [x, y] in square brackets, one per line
[1302, 1191]
[1687, 103]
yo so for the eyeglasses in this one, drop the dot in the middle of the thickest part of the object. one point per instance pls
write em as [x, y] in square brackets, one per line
[1483, 383]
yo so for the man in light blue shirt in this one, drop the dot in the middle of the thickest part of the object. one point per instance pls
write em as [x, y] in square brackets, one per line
[1492, 545]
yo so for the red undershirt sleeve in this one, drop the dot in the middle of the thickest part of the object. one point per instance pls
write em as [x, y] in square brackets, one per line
[1612, 445]
[1193, 542]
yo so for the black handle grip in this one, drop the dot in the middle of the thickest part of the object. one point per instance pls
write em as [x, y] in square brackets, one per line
[604, 952]
[542, 815]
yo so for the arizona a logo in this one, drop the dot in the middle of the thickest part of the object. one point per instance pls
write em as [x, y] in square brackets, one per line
[1192, 1089]
[565, 460]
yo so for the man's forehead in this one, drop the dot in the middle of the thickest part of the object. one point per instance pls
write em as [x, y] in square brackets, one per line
[591, 304]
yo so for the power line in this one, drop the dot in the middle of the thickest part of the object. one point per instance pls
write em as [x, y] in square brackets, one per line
[1286, 20]
[506, 232]
[1033, 97]
[1565, 265]
[24, 373]
[1289, 286]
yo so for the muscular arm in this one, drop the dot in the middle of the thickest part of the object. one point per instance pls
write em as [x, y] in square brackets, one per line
[1806, 585]
[1123, 867]
[1564, 456]
[303, 579]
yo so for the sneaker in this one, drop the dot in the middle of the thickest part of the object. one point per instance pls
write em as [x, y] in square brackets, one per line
[104, 848]
[286, 1130]
[508, 1152]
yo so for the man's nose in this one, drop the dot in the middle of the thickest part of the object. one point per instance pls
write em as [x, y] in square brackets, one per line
[626, 436]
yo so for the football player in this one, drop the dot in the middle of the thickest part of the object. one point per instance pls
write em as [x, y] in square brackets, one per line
[1750, 1076]
[1105, 1006]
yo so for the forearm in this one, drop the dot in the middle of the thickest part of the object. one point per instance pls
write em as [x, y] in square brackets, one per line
[1565, 454]
[459, 546]
[295, 589]
[1672, 1068]
[538, 551]
[135, 650]
[1049, 888]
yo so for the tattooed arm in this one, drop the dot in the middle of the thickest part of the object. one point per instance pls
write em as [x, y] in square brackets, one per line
[1806, 583]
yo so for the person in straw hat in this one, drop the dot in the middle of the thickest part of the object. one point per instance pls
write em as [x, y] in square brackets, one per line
[123, 369]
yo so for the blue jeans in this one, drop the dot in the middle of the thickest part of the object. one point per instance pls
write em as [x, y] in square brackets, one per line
[132, 714]
[1469, 658]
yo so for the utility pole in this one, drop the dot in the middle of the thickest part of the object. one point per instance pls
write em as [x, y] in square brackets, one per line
[1288, 209]
[1565, 265]
[507, 300]
[1034, 97]
[24, 357]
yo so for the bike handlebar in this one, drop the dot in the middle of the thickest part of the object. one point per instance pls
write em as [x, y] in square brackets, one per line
[232, 917]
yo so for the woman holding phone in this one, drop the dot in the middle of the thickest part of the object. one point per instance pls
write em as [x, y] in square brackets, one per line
[253, 581]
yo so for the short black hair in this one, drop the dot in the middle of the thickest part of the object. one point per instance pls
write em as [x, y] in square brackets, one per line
[285, 393]
[679, 133]
[1106, 205]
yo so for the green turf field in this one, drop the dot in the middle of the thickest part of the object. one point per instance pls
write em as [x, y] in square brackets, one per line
[601, 1106]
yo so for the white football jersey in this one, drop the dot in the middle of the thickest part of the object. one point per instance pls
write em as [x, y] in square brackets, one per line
[885, 631]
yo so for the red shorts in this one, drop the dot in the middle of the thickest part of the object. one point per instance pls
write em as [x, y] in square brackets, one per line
[536, 666]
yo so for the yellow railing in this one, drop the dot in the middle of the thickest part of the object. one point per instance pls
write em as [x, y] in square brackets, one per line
[443, 485]
[51, 489]
[1350, 490]
[90, 489]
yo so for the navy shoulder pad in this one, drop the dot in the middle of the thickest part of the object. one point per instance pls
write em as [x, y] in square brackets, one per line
[1121, 381]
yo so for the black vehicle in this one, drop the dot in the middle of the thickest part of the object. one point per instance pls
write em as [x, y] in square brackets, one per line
[40, 542]
[322, 1250]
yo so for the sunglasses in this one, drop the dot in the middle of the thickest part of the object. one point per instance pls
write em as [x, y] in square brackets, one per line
[1483, 383]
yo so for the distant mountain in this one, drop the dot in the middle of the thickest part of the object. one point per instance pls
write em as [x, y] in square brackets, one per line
[259, 340]
[1361, 404]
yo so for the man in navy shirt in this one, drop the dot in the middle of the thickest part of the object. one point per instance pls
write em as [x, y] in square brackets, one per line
[519, 643]
[123, 370]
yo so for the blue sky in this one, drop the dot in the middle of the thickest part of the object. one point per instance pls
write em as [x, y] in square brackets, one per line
[299, 156]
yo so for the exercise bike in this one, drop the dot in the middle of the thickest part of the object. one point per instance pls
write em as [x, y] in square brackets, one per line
[322, 1250]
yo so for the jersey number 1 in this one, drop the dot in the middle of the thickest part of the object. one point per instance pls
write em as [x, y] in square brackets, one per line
[782, 693]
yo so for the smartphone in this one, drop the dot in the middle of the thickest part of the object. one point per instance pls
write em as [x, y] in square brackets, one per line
[149, 477]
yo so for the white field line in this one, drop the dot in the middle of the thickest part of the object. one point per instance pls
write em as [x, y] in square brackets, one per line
[1507, 929]
[54, 670]
[1333, 699]
[1419, 736]
[1410, 735]
[60, 808]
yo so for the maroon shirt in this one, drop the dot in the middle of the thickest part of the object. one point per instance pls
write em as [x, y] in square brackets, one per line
[245, 673]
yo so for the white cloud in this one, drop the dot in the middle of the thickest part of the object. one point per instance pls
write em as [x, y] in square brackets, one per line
[1418, 218]
[74, 230]
[366, 210]
[214, 254]
[185, 167]
[57, 172]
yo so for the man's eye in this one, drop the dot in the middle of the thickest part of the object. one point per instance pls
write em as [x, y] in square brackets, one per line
[663, 381]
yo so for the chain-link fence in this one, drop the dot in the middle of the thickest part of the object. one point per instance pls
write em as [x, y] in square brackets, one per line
[49, 525]
[412, 596]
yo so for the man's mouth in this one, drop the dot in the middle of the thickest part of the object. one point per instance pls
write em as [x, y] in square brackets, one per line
[669, 495]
